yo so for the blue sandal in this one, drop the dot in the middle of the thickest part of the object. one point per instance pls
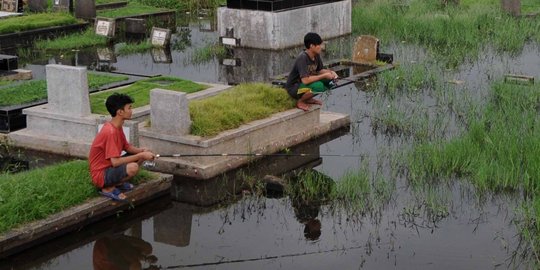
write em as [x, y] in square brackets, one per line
[126, 186]
[114, 195]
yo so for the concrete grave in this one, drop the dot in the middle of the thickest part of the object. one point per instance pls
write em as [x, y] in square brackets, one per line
[63, 5]
[160, 37]
[67, 90]
[65, 125]
[37, 5]
[268, 135]
[85, 9]
[365, 49]
[171, 113]
[285, 28]
[105, 27]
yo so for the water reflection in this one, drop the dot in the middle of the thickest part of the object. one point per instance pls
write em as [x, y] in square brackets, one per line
[116, 252]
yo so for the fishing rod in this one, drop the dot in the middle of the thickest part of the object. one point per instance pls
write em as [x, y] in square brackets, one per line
[256, 155]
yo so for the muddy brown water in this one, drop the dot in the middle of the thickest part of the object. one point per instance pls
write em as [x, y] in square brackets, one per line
[250, 232]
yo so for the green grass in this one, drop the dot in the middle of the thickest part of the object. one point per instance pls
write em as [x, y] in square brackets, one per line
[5, 82]
[185, 5]
[242, 104]
[79, 40]
[35, 21]
[499, 152]
[133, 8]
[131, 48]
[37, 194]
[140, 91]
[207, 53]
[530, 6]
[32, 91]
[451, 34]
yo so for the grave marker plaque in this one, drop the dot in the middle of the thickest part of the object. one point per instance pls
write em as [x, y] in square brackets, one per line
[105, 27]
[11, 5]
[365, 49]
[160, 37]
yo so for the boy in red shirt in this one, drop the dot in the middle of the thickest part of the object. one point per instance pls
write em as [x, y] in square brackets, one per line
[109, 170]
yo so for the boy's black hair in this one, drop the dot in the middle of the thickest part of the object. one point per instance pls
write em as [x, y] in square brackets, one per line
[312, 38]
[116, 102]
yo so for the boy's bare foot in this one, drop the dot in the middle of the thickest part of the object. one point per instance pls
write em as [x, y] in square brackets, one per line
[314, 101]
[303, 106]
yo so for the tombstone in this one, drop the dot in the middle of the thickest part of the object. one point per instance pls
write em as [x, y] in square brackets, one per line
[365, 49]
[85, 9]
[37, 5]
[135, 26]
[8, 62]
[160, 37]
[63, 5]
[106, 55]
[11, 5]
[173, 226]
[169, 112]
[161, 55]
[105, 27]
[513, 7]
[67, 90]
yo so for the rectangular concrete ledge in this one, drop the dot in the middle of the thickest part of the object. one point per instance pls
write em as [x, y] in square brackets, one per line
[266, 136]
[79, 216]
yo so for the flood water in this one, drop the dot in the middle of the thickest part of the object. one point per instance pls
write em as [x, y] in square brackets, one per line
[447, 226]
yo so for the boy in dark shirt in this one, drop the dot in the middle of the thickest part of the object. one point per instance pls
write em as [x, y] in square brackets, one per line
[308, 78]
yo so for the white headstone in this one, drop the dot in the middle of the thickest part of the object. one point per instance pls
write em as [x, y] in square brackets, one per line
[169, 112]
[160, 37]
[105, 27]
[67, 90]
[10, 5]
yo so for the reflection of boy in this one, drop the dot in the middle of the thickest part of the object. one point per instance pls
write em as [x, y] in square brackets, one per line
[110, 171]
[121, 252]
[308, 78]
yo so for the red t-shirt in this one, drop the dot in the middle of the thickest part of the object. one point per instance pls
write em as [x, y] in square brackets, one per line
[109, 143]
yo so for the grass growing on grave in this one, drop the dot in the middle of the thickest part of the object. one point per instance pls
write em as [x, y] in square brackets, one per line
[33, 91]
[186, 5]
[109, 1]
[131, 48]
[5, 82]
[133, 8]
[451, 33]
[500, 151]
[242, 104]
[79, 40]
[37, 194]
[35, 21]
[140, 91]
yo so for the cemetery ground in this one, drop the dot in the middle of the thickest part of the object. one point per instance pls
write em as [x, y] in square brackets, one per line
[449, 173]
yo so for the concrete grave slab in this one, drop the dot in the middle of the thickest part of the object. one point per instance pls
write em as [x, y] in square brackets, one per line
[274, 30]
[37, 5]
[63, 5]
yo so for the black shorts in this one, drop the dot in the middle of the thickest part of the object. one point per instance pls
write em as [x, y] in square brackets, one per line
[114, 175]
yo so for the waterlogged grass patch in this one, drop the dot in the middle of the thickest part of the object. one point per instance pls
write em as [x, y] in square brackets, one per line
[131, 48]
[140, 91]
[35, 21]
[207, 53]
[79, 40]
[133, 8]
[452, 33]
[33, 91]
[37, 194]
[242, 104]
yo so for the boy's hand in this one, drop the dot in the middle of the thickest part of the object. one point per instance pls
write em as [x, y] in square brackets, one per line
[330, 75]
[146, 155]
